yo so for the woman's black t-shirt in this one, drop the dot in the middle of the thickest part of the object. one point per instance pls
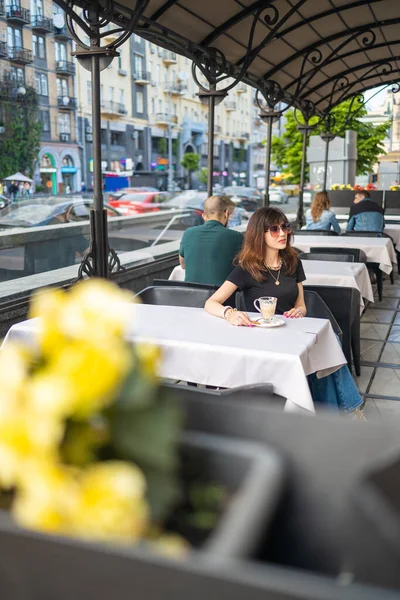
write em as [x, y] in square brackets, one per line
[252, 289]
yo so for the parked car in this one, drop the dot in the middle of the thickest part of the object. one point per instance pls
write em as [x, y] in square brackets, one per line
[278, 196]
[192, 203]
[138, 203]
[130, 190]
[250, 198]
[4, 201]
[26, 214]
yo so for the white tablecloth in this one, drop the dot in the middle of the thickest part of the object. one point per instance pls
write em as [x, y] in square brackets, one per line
[394, 232]
[378, 250]
[340, 274]
[207, 350]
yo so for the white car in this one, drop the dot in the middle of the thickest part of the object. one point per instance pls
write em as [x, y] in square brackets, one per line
[278, 196]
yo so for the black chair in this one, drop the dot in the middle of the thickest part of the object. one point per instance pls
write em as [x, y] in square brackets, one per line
[169, 295]
[359, 255]
[375, 234]
[344, 303]
[339, 257]
[316, 308]
[314, 232]
[183, 284]
[261, 394]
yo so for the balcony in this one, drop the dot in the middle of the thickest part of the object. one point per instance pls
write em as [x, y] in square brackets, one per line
[166, 119]
[242, 136]
[122, 72]
[217, 129]
[16, 14]
[42, 24]
[65, 137]
[230, 105]
[3, 50]
[2, 8]
[169, 58]
[241, 88]
[113, 108]
[176, 89]
[19, 55]
[142, 78]
[65, 67]
[67, 103]
[61, 33]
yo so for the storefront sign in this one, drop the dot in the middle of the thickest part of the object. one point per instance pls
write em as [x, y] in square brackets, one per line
[48, 170]
[68, 169]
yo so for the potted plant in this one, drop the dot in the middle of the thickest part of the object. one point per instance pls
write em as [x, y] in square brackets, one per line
[92, 449]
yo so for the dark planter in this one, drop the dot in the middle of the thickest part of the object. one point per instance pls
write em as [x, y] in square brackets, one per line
[34, 565]
[343, 199]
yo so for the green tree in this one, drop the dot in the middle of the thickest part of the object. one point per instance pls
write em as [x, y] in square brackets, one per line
[20, 144]
[203, 175]
[287, 149]
[190, 162]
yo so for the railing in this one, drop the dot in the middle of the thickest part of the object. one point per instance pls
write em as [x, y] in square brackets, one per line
[142, 77]
[41, 23]
[2, 9]
[66, 102]
[175, 88]
[230, 105]
[65, 137]
[113, 108]
[169, 57]
[65, 66]
[242, 135]
[61, 32]
[166, 118]
[17, 14]
[217, 128]
[21, 55]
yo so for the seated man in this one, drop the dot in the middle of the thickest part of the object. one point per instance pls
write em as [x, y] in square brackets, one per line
[365, 214]
[207, 251]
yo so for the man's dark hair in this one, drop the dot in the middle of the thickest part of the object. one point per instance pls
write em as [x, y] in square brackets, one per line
[363, 193]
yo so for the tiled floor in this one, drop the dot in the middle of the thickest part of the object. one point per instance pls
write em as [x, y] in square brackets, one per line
[380, 355]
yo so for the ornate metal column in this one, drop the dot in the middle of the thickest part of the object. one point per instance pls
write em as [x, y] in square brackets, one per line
[327, 138]
[272, 94]
[94, 20]
[307, 110]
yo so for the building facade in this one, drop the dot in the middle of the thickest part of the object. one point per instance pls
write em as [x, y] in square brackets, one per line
[35, 50]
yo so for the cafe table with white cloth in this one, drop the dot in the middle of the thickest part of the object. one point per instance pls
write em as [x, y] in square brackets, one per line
[378, 250]
[205, 349]
[324, 272]
[394, 231]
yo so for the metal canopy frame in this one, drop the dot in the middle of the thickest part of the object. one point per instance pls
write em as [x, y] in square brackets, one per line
[309, 55]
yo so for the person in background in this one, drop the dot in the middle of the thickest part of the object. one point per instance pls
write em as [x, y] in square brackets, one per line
[319, 216]
[27, 188]
[268, 266]
[1, 189]
[236, 216]
[365, 214]
[207, 251]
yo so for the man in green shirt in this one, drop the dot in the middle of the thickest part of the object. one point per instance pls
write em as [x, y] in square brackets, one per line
[207, 251]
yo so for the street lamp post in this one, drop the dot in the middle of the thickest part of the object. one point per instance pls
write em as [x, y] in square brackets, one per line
[327, 138]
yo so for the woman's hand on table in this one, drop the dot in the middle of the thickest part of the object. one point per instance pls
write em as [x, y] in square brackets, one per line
[293, 313]
[238, 319]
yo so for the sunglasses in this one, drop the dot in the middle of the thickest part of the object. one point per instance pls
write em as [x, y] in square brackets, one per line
[276, 229]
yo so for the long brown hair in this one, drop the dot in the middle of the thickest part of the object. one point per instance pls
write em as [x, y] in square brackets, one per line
[252, 256]
[320, 203]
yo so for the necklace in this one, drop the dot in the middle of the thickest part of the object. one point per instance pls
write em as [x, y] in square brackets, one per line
[277, 282]
[279, 265]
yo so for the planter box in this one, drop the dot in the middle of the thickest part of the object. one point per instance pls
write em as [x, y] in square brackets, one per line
[33, 565]
[392, 203]
[343, 199]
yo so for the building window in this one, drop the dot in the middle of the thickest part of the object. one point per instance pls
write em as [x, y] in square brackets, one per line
[60, 51]
[139, 102]
[14, 39]
[101, 95]
[117, 138]
[64, 122]
[16, 74]
[39, 46]
[89, 91]
[44, 117]
[121, 97]
[153, 106]
[160, 106]
[111, 94]
[138, 64]
[41, 84]
[62, 87]
[37, 8]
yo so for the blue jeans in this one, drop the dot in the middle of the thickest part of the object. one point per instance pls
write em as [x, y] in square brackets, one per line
[337, 391]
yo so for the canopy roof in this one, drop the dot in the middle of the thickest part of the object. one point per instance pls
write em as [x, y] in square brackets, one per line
[321, 51]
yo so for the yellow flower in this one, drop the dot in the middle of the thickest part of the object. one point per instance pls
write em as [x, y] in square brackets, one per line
[111, 503]
[26, 438]
[48, 305]
[149, 359]
[47, 498]
[14, 370]
[82, 379]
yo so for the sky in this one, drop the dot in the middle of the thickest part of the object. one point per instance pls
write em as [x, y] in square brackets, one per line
[378, 100]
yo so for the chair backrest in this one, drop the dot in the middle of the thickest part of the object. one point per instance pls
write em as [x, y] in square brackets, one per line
[314, 232]
[359, 255]
[317, 309]
[376, 234]
[338, 257]
[169, 295]
[183, 284]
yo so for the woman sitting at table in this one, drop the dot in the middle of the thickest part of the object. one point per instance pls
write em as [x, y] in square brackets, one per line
[268, 266]
[320, 217]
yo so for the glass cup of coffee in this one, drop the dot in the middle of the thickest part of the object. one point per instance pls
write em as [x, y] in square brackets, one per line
[266, 306]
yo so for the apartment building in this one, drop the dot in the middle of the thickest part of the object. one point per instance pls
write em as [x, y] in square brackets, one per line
[35, 50]
[149, 99]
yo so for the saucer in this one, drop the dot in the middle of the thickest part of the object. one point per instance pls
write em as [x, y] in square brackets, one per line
[276, 322]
